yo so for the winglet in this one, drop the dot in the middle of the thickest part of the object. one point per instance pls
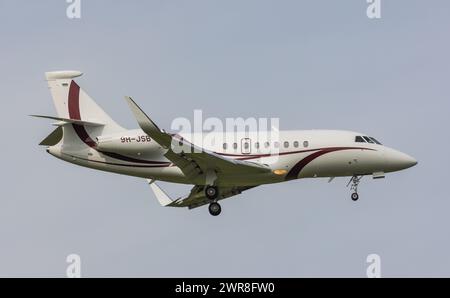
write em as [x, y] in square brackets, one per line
[162, 197]
[147, 125]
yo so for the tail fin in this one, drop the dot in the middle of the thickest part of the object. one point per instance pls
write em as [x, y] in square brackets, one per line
[74, 103]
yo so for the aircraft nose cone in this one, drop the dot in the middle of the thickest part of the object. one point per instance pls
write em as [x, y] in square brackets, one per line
[407, 161]
[396, 160]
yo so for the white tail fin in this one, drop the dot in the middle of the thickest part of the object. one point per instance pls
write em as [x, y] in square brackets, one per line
[73, 103]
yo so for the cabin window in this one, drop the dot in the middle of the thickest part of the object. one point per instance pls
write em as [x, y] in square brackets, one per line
[359, 139]
[296, 144]
[267, 144]
[276, 144]
[257, 145]
[225, 146]
[234, 146]
[368, 139]
[286, 144]
[305, 144]
[246, 145]
[375, 140]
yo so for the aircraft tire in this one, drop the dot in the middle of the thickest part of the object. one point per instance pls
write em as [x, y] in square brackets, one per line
[211, 192]
[214, 209]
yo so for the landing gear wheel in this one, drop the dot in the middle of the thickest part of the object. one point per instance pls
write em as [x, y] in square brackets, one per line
[214, 209]
[211, 192]
[355, 196]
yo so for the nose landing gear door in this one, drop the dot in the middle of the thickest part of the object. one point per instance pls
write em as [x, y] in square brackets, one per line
[246, 146]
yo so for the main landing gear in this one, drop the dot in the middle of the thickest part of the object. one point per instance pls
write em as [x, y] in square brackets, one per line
[214, 209]
[212, 193]
[354, 181]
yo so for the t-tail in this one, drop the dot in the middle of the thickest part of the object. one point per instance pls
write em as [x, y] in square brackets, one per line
[79, 119]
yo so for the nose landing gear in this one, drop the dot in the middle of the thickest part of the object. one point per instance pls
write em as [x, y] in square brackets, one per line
[355, 196]
[354, 181]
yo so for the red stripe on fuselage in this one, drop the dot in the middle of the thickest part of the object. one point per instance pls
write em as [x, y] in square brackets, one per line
[74, 113]
[298, 167]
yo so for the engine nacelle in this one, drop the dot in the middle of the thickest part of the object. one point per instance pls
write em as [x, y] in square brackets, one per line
[137, 144]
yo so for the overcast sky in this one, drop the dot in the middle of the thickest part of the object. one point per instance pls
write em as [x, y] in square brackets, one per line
[313, 64]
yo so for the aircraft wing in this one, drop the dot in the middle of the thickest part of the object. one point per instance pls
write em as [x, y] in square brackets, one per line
[196, 197]
[193, 161]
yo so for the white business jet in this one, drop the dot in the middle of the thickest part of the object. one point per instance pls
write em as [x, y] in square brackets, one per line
[87, 136]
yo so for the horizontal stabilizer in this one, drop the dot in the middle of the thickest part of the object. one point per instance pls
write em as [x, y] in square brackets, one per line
[72, 121]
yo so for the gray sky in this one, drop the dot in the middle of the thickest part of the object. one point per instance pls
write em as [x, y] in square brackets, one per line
[313, 64]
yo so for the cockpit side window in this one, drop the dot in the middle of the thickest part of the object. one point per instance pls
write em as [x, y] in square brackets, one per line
[359, 139]
[375, 140]
[368, 139]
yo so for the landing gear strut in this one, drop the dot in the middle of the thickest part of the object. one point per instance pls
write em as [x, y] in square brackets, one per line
[214, 209]
[354, 181]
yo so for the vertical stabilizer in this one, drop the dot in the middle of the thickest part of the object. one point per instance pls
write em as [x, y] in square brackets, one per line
[74, 103]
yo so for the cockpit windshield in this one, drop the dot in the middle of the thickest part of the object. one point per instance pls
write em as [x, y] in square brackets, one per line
[366, 139]
[375, 140]
[359, 139]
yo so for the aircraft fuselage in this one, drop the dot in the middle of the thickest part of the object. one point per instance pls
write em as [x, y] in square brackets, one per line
[296, 154]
